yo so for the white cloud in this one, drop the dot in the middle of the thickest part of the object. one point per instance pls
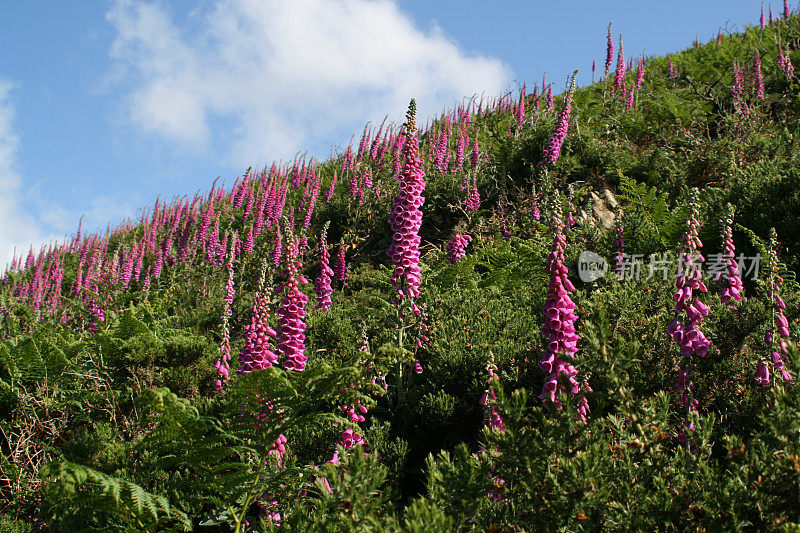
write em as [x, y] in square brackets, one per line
[94, 214]
[284, 76]
[17, 228]
[27, 219]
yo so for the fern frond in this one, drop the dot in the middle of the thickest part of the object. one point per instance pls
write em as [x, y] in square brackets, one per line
[123, 501]
[128, 326]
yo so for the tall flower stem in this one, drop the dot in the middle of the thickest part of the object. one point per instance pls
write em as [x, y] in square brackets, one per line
[689, 310]
[553, 149]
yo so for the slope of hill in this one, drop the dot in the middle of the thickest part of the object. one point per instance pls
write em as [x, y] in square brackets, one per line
[254, 358]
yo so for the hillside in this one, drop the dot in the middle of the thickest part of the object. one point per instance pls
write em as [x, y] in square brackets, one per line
[408, 335]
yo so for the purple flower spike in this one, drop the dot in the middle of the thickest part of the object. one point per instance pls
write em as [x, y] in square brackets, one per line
[406, 216]
[619, 242]
[322, 285]
[553, 149]
[619, 74]
[473, 201]
[733, 291]
[785, 62]
[609, 48]
[341, 264]
[759, 78]
[457, 248]
[559, 327]
[689, 284]
[257, 354]
[779, 320]
[762, 374]
[292, 314]
[491, 413]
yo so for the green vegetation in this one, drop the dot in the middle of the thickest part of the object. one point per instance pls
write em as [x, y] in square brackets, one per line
[109, 414]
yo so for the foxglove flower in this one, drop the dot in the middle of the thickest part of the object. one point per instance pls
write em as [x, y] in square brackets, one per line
[277, 249]
[292, 314]
[535, 213]
[248, 243]
[473, 201]
[630, 99]
[570, 218]
[353, 190]
[406, 216]
[222, 364]
[331, 189]
[457, 248]
[462, 143]
[757, 75]
[609, 48]
[640, 74]
[553, 149]
[785, 62]
[734, 288]
[476, 151]
[322, 285]
[340, 268]
[350, 438]
[230, 290]
[736, 87]
[278, 449]
[689, 282]
[521, 107]
[256, 354]
[491, 414]
[619, 259]
[441, 150]
[778, 321]
[619, 75]
[762, 374]
[559, 327]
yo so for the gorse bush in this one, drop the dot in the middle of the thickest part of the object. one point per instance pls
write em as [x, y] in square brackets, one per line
[408, 336]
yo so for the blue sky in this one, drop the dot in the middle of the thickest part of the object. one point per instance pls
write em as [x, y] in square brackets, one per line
[106, 105]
